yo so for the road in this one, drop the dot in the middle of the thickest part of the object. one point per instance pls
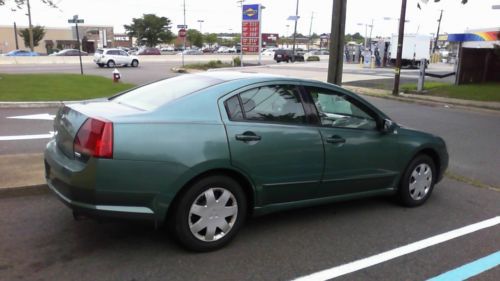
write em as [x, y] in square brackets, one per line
[40, 240]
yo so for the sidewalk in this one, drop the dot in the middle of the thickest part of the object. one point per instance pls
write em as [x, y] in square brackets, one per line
[21, 173]
[428, 100]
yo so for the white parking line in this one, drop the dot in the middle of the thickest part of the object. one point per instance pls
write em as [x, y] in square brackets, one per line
[397, 252]
[27, 137]
[43, 116]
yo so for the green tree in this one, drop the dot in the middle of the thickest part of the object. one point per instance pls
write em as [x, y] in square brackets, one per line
[211, 39]
[356, 37]
[195, 38]
[38, 34]
[150, 30]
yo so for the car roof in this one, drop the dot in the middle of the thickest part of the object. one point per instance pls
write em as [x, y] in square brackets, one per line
[236, 75]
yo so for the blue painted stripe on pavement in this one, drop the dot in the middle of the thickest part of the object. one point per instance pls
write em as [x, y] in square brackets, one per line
[471, 269]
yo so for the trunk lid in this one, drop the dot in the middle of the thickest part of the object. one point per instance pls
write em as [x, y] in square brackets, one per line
[71, 117]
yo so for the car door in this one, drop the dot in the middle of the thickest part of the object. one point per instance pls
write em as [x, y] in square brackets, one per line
[124, 58]
[271, 141]
[358, 156]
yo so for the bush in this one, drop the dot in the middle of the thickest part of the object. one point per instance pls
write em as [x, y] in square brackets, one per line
[236, 61]
[313, 58]
[214, 64]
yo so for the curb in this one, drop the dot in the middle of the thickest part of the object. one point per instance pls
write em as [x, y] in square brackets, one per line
[34, 104]
[38, 189]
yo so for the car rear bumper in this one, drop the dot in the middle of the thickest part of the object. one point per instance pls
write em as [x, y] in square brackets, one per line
[74, 184]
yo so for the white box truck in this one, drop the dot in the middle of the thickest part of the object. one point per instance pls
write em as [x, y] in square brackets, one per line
[415, 48]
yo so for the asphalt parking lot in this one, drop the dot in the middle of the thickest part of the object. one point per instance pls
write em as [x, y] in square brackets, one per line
[40, 240]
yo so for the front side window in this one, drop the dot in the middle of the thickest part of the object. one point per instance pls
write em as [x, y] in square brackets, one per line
[338, 110]
[279, 103]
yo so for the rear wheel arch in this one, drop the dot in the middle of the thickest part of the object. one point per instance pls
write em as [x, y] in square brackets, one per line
[235, 175]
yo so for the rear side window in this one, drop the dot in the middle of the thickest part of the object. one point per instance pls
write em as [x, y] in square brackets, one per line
[278, 103]
[154, 95]
[233, 108]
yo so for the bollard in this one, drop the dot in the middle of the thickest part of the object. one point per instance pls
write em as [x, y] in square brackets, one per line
[421, 76]
[360, 61]
[116, 76]
[372, 62]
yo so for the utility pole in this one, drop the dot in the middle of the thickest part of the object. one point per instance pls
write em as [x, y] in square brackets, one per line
[437, 34]
[310, 29]
[30, 28]
[295, 30]
[336, 62]
[395, 90]
[15, 36]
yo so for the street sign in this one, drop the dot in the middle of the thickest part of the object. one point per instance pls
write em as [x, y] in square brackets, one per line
[182, 33]
[75, 21]
[182, 26]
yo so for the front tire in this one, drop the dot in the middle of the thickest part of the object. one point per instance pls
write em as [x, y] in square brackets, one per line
[418, 181]
[135, 63]
[209, 213]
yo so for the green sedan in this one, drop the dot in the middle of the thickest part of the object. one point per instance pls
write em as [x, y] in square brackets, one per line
[202, 152]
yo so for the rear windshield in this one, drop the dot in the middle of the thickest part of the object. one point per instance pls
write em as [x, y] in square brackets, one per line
[154, 95]
[98, 51]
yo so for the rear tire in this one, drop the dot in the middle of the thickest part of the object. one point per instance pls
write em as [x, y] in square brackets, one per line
[100, 65]
[418, 181]
[209, 213]
[111, 63]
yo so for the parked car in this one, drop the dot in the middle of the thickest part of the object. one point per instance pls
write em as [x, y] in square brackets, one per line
[201, 152]
[21, 53]
[287, 56]
[148, 52]
[114, 57]
[316, 53]
[69, 52]
[269, 52]
[191, 52]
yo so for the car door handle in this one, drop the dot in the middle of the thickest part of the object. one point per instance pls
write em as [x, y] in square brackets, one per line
[335, 139]
[248, 136]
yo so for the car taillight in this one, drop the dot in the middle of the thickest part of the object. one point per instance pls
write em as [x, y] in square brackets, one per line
[95, 138]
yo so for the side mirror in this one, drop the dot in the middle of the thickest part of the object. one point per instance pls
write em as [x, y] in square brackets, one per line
[388, 126]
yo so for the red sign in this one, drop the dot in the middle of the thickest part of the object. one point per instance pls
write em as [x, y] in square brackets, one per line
[250, 31]
[250, 49]
[182, 33]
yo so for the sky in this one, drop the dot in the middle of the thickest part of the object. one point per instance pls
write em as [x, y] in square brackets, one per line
[225, 15]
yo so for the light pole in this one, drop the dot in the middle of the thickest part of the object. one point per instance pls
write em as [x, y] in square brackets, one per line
[76, 21]
[201, 22]
[295, 30]
[366, 31]
[287, 35]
